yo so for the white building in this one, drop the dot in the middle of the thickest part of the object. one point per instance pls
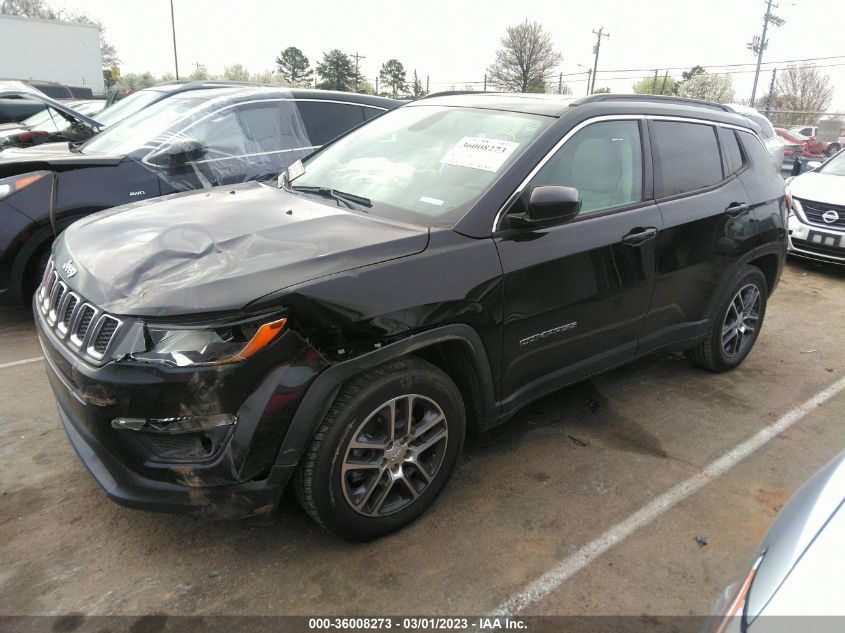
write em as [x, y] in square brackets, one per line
[52, 50]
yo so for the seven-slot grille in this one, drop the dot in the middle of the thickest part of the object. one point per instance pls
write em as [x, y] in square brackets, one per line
[815, 210]
[83, 328]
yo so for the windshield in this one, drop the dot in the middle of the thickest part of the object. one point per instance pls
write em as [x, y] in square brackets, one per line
[423, 164]
[141, 130]
[835, 166]
[128, 106]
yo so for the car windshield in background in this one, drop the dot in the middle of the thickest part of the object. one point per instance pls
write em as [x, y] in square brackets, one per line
[835, 166]
[128, 106]
[141, 130]
[423, 164]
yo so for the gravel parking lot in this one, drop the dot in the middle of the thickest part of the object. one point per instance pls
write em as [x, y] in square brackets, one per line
[525, 499]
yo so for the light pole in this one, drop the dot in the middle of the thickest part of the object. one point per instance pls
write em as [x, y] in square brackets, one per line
[589, 75]
[173, 27]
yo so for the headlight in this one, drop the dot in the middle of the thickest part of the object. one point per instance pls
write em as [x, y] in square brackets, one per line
[8, 186]
[189, 346]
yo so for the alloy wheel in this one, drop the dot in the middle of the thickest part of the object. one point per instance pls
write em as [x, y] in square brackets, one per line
[394, 455]
[741, 321]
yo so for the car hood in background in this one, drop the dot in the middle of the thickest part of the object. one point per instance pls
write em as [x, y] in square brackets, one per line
[19, 160]
[795, 530]
[220, 249]
[819, 187]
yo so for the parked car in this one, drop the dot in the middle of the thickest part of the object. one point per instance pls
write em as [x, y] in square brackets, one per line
[50, 125]
[55, 89]
[191, 140]
[140, 99]
[810, 132]
[817, 217]
[774, 144]
[18, 102]
[794, 569]
[114, 113]
[810, 148]
[428, 273]
[17, 107]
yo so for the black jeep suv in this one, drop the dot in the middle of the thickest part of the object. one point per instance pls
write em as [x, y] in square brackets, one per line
[424, 275]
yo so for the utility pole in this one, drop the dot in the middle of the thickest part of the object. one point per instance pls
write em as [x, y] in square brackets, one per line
[654, 83]
[376, 84]
[427, 77]
[485, 82]
[560, 83]
[663, 86]
[358, 58]
[599, 34]
[758, 45]
[173, 27]
[771, 92]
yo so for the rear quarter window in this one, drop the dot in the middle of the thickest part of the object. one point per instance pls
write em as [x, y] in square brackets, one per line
[733, 153]
[686, 157]
[757, 154]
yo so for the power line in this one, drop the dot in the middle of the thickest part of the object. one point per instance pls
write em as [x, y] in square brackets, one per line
[635, 77]
[774, 63]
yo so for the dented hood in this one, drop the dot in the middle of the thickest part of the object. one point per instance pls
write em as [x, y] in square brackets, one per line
[220, 249]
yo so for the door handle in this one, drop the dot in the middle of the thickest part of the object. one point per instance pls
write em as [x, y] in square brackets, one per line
[639, 236]
[736, 209]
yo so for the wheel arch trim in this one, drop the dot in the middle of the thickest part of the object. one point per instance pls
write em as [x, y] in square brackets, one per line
[322, 393]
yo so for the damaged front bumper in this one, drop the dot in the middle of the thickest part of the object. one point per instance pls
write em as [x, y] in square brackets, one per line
[221, 460]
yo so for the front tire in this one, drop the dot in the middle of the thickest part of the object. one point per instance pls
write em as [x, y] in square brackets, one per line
[737, 325]
[384, 451]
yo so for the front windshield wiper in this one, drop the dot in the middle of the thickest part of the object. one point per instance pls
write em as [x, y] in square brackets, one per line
[334, 194]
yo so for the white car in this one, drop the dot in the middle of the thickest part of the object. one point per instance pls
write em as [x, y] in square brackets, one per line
[817, 216]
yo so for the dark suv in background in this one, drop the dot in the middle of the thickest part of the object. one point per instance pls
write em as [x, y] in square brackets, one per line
[427, 274]
[195, 138]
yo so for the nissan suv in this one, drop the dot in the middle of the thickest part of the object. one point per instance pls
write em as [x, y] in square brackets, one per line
[423, 276]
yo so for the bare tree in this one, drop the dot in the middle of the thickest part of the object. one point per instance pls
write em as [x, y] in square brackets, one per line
[715, 87]
[526, 59]
[800, 90]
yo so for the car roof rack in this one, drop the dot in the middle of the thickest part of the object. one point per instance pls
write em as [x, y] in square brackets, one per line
[652, 99]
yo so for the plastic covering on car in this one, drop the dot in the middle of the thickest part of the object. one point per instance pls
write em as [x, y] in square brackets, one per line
[220, 141]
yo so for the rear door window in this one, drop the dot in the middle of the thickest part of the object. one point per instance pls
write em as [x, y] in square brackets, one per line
[326, 121]
[686, 157]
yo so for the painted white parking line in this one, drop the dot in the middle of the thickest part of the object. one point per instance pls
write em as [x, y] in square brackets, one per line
[554, 578]
[25, 361]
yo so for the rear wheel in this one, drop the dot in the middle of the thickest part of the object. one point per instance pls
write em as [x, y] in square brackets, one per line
[384, 451]
[738, 325]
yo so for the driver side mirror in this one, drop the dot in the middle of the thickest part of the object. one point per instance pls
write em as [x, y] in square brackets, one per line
[178, 150]
[552, 204]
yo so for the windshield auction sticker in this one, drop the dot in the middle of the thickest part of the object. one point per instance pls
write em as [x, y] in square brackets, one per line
[479, 153]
